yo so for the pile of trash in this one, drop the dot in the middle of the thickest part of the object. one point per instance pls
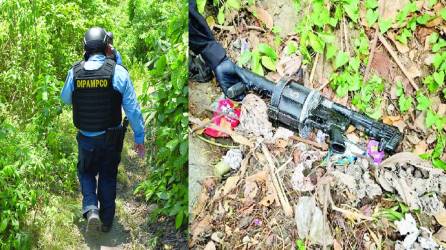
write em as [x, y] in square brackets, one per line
[278, 190]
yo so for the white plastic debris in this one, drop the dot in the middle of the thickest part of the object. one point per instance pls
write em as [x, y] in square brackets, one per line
[310, 222]
[233, 158]
[320, 137]
[282, 133]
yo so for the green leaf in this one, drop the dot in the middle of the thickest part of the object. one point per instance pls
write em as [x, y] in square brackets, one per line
[291, 48]
[233, 4]
[437, 60]
[179, 219]
[327, 37]
[438, 163]
[265, 49]
[371, 4]
[423, 102]
[443, 13]
[244, 58]
[200, 6]
[405, 103]
[268, 63]
[440, 44]
[341, 59]
[352, 10]
[403, 36]
[424, 19]
[399, 89]
[432, 38]
[255, 63]
[371, 17]
[331, 51]
[221, 15]
[384, 25]
[300, 245]
[439, 77]
[431, 119]
[342, 90]
[316, 43]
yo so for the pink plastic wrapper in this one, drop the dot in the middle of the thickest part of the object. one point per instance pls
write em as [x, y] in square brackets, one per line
[225, 111]
[372, 151]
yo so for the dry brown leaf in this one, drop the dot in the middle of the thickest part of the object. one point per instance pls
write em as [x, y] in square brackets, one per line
[336, 245]
[263, 16]
[419, 121]
[200, 227]
[251, 190]
[200, 203]
[258, 177]
[435, 22]
[241, 139]
[414, 71]
[441, 218]
[210, 246]
[420, 148]
[441, 109]
[267, 200]
[441, 234]
[230, 184]
[391, 8]
[400, 125]
[350, 129]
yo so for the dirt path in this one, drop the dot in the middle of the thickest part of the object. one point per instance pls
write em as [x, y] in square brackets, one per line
[132, 228]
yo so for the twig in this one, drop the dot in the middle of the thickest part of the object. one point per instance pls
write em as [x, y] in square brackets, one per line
[312, 143]
[222, 27]
[251, 27]
[313, 70]
[280, 193]
[397, 60]
[347, 44]
[283, 165]
[374, 42]
[372, 53]
[323, 86]
[216, 143]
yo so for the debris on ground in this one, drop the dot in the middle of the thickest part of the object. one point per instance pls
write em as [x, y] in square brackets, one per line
[414, 180]
[254, 120]
[362, 199]
[311, 223]
[233, 158]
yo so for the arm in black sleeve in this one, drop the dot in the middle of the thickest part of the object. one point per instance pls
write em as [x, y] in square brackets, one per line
[201, 40]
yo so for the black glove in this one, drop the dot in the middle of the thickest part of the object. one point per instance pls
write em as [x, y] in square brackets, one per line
[228, 74]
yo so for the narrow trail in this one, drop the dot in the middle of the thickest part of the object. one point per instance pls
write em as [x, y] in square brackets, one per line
[129, 227]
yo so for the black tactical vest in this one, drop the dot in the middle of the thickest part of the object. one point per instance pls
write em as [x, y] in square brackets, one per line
[96, 104]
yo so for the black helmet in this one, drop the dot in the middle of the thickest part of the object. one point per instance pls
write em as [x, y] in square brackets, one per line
[110, 37]
[95, 40]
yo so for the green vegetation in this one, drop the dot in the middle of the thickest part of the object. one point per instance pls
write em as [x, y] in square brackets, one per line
[39, 41]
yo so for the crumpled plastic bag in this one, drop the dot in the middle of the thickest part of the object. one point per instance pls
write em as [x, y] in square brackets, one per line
[224, 114]
[310, 222]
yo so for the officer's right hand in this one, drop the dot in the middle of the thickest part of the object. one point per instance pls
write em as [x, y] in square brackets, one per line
[227, 75]
[140, 150]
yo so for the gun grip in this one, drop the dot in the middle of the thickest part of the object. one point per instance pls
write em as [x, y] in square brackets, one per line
[236, 90]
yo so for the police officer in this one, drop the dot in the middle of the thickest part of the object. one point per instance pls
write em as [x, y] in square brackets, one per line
[97, 88]
[201, 41]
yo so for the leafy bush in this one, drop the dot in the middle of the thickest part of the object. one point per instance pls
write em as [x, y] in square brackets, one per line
[166, 46]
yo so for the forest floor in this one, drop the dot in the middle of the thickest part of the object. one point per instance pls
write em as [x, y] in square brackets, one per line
[265, 202]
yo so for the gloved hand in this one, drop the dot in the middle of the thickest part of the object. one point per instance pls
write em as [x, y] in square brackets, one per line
[228, 74]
